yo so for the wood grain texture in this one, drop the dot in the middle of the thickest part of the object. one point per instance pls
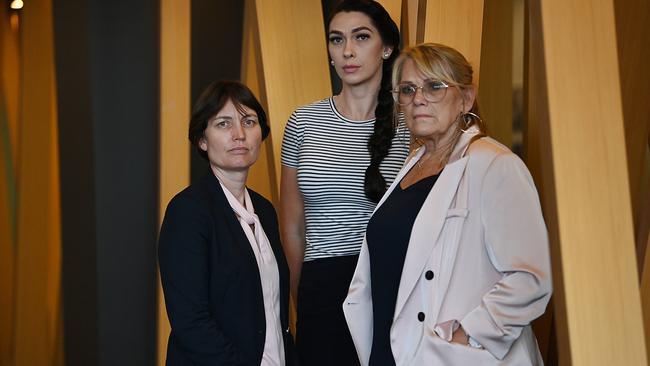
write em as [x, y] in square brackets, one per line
[38, 270]
[458, 24]
[495, 94]
[294, 61]
[9, 92]
[539, 159]
[174, 119]
[394, 8]
[262, 176]
[633, 33]
[594, 214]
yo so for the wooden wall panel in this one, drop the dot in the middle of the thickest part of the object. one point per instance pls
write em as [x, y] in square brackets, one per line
[262, 177]
[303, 58]
[599, 287]
[7, 248]
[9, 93]
[394, 8]
[632, 32]
[633, 37]
[645, 293]
[458, 24]
[38, 314]
[495, 93]
[10, 76]
[539, 159]
[409, 21]
[294, 60]
[174, 116]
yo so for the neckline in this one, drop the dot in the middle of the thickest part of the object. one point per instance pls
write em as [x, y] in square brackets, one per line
[339, 115]
[419, 182]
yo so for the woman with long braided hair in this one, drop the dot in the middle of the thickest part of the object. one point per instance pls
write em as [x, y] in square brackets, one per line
[338, 157]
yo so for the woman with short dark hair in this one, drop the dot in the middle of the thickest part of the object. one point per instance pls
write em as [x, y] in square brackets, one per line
[223, 272]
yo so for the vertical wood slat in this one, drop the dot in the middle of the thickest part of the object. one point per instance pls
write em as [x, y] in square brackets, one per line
[601, 293]
[632, 17]
[9, 92]
[458, 24]
[645, 295]
[495, 93]
[263, 176]
[174, 116]
[10, 76]
[294, 61]
[538, 157]
[38, 271]
[394, 8]
[409, 22]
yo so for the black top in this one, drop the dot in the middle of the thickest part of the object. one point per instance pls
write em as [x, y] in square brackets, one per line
[388, 234]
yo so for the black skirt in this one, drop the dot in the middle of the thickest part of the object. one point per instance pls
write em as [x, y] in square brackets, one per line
[322, 335]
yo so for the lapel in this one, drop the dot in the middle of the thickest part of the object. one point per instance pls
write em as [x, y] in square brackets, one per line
[431, 218]
[281, 262]
[223, 214]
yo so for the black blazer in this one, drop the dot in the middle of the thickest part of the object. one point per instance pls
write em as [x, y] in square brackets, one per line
[211, 280]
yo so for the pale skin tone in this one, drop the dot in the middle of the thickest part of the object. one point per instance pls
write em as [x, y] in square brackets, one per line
[435, 124]
[357, 50]
[232, 141]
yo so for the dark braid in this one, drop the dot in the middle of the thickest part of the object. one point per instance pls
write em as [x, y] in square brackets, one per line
[380, 141]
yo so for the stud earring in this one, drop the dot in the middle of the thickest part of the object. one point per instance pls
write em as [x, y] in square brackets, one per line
[386, 55]
[332, 62]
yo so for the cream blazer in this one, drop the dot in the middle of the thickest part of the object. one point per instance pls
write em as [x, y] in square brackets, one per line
[481, 232]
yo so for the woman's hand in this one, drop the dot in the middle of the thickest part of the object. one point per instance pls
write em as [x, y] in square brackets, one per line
[460, 337]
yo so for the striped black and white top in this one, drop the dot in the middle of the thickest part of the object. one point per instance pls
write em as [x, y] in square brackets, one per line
[331, 155]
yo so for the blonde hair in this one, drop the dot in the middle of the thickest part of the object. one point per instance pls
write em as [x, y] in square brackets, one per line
[440, 62]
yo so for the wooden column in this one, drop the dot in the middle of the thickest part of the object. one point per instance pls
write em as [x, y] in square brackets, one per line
[9, 104]
[263, 176]
[294, 61]
[394, 8]
[458, 24]
[632, 33]
[495, 93]
[645, 295]
[412, 21]
[174, 118]
[597, 294]
[38, 271]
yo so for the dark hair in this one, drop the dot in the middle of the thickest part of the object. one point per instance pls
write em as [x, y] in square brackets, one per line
[380, 141]
[213, 99]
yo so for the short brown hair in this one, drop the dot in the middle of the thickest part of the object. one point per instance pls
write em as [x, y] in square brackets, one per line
[213, 99]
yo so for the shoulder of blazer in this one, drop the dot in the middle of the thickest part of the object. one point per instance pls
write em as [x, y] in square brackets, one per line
[484, 150]
[205, 194]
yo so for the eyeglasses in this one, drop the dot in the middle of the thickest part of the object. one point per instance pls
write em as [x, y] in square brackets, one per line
[432, 90]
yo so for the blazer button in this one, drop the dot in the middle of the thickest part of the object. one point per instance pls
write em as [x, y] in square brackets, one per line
[428, 275]
[421, 316]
